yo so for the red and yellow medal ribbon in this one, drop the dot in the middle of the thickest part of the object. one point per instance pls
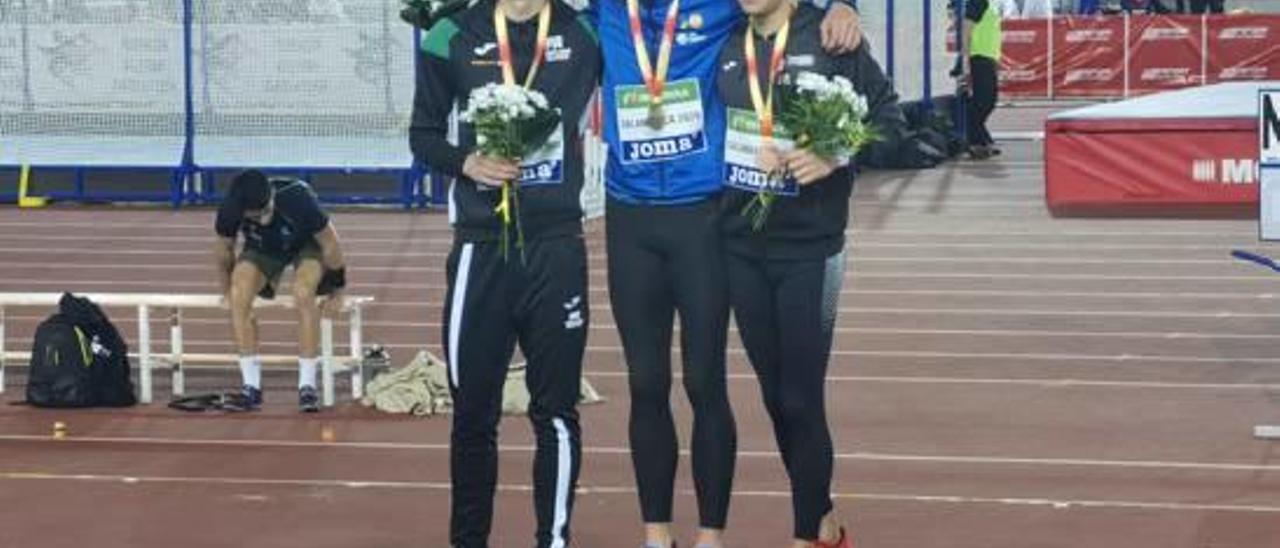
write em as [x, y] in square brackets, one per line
[654, 78]
[506, 59]
[504, 45]
[763, 106]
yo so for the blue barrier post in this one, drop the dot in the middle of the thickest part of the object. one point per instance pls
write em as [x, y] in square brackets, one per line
[926, 16]
[208, 192]
[414, 189]
[178, 188]
[888, 39]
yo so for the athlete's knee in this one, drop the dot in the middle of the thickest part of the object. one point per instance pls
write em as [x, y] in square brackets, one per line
[304, 294]
[795, 408]
[555, 422]
[478, 433]
[559, 400]
[649, 386]
[243, 291]
[705, 386]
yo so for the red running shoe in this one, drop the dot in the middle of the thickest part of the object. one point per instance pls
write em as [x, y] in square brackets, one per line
[844, 542]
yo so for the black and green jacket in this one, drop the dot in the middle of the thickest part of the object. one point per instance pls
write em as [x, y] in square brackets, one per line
[810, 225]
[460, 53]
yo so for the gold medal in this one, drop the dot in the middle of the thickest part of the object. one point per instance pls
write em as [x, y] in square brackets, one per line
[657, 116]
[655, 78]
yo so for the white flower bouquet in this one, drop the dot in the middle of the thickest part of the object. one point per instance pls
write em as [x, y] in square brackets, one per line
[826, 117]
[510, 122]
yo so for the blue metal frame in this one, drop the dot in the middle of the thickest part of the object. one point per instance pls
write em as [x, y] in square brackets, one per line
[81, 194]
[209, 194]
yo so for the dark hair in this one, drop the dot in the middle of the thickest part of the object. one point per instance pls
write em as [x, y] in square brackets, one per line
[250, 190]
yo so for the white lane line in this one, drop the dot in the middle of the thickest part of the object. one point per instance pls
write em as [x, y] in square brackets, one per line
[1234, 233]
[1038, 383]
[587, 490]
[862, 456]
[419, 267]
[911, 292]
[856, 256]
[114, 252]
[284, 346]
[855, 273]
[609, 327]
[1045, 382]
[857, 246]
[27, 283]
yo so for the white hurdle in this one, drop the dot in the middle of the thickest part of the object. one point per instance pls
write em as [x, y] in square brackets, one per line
[175, 304]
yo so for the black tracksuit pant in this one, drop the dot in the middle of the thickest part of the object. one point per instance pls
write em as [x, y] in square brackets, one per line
[492, 303]
[786, 311]
[664, 260]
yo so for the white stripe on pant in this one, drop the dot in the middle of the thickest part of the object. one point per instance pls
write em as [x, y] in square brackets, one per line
[564, 471]
[455, 312]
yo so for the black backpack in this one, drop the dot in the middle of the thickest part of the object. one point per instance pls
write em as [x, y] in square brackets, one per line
[79, 359]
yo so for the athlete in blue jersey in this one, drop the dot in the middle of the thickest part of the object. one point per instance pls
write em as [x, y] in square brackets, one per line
[665, 124]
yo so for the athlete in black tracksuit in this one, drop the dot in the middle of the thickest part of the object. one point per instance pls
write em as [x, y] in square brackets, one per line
[784, 280]
[537, 298]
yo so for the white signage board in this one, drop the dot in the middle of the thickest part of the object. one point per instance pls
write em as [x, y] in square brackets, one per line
[1269, 164]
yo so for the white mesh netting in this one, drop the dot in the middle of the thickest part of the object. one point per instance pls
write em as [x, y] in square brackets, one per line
[91, 82]
[910, 49]
[298, 83]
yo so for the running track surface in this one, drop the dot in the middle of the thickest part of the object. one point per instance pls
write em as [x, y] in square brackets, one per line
[1001, 379]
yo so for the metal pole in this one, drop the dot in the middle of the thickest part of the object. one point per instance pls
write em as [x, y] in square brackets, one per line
[144, 351]
[1048, 77]
[356, 342]
[326, 360]
[927, 21]
[188, 149]
[178, 379]
[417, 192]
[1204, 49]
[1127, 53]
[888, 38]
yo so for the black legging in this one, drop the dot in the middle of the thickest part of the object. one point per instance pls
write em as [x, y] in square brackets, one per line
[663, 260]
[984, 91]
[786, 314]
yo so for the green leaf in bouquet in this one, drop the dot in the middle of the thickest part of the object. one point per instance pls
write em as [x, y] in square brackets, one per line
[424, 13]
[535, 132]
[826, 126]
[786, 104]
